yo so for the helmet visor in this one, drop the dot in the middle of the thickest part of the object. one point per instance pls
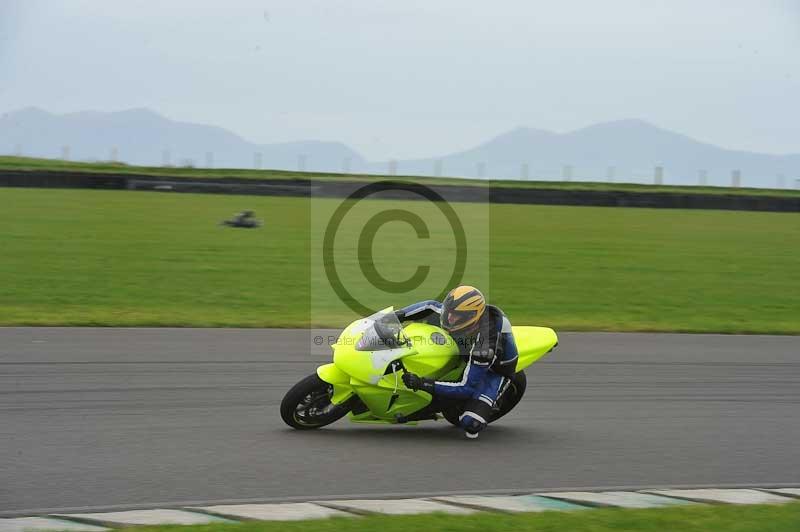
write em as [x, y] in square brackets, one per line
[454, 319]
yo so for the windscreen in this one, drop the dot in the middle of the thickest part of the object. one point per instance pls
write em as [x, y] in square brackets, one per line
[383, 331]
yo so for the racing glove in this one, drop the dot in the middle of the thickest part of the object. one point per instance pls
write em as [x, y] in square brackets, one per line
[415, 382]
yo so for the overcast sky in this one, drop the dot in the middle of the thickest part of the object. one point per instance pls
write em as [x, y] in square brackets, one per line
[411, 78]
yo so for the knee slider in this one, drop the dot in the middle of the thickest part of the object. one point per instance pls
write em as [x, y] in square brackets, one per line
[472, 422]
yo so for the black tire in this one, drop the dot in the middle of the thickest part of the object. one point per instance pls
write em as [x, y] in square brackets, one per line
[510, 399]
[513, 395]
[307, 405]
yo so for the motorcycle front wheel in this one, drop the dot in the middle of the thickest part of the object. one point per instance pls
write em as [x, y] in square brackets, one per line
[512, 396]
[307, 405]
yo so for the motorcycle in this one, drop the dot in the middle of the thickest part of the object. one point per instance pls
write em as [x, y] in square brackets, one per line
[364, 381]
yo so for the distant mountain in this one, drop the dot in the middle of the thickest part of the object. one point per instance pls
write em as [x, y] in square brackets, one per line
[142, 137]
[627, 150]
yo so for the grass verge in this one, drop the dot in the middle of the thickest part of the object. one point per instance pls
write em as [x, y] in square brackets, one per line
[114, 258]
[759, 518]
[34, 164]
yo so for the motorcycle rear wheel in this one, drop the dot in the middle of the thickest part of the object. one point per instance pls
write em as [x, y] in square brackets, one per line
[307, 405]
[512, 396]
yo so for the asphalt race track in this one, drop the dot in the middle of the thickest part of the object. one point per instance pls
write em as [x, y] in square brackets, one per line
[143, 417]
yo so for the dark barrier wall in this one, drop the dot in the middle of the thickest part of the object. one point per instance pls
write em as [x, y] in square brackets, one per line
[659, 200]
[339, 189]
[12, 178]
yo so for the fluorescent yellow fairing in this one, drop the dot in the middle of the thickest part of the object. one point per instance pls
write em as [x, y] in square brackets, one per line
[533, 343]
[342, 391]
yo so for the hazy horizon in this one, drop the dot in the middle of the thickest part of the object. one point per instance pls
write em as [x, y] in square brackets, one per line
[416, 79]
[479, 142]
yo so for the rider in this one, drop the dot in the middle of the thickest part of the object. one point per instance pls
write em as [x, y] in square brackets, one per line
[483, 336]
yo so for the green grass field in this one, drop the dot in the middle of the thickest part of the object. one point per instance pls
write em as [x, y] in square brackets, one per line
[79, 257]
[34, 164]
[782, 518]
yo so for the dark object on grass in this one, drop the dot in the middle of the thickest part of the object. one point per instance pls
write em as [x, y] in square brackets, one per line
[246, 219]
